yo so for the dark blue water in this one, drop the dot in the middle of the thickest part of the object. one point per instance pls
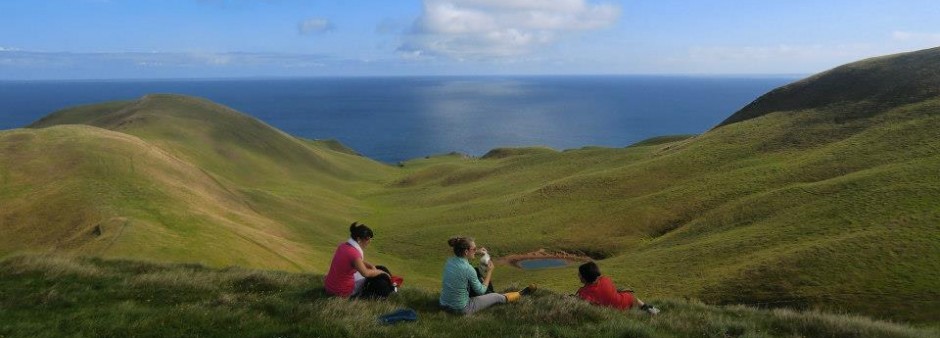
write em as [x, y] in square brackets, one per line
[392, 119]
[541, 263]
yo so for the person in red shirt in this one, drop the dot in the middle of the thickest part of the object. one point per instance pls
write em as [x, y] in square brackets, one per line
[349, 270]
[600, 290]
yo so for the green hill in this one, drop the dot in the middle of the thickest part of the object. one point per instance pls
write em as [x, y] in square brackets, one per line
[819, 195]
[176, 178]
[858, 89]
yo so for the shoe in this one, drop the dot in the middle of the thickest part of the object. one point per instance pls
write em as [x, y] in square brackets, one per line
[528, 289]
[652, 310]
[512, 296]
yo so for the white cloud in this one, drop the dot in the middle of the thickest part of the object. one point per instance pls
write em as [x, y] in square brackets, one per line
[315, 26]
[163, 59]
[485, 29]
[905, 36]
[781, 58]
[777, 52]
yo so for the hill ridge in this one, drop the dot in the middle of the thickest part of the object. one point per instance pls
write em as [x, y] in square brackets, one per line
[871, 85]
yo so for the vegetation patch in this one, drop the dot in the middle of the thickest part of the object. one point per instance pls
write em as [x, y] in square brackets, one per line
[127, 298]
[571, 258]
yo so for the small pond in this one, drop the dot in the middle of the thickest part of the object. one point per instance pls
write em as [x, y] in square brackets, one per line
[541, 263]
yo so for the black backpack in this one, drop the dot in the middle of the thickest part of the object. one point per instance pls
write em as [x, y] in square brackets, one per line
[379, 286]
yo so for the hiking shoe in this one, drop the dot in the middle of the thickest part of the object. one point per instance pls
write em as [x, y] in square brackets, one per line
[528, 290]
[652, 310]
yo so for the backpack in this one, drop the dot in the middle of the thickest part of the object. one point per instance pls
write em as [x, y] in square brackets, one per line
[380, 286]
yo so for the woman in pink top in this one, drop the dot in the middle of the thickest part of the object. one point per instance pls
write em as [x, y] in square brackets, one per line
[349, 270]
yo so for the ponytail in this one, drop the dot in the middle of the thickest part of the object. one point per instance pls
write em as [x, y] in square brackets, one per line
[359, 231]
[460, 244]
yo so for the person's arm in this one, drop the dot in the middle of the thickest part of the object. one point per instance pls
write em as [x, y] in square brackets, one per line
[489, 273]
[368, 265]
[480, 288]
[364, 270]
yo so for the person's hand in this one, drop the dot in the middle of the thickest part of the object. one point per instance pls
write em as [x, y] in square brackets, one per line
[490, 265]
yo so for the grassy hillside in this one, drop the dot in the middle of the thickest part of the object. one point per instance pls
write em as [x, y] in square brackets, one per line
[870, 86]
[837, 217]
[813, 197]
[49, 296]
[176, 178]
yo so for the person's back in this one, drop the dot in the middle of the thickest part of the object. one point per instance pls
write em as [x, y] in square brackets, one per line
[454, 291]
[600, 290]
[603, 292]
[340, 280]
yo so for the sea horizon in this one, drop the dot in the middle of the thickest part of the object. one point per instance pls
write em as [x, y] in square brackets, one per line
[793, 76]
[396, 118]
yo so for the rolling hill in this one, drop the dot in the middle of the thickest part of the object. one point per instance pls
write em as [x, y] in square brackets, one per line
[171, 177]
[822, 194]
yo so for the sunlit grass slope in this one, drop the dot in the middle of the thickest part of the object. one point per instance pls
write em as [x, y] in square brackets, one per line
[50, 296]
[178, 178]
[848, 220]
[800, 208]
[823, 199]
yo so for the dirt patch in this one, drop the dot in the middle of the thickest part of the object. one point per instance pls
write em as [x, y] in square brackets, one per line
[543, 254]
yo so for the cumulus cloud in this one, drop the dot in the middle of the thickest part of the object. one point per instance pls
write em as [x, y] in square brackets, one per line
[485, 29]
[315, 26]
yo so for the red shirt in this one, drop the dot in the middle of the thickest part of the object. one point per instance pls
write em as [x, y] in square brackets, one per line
[339, 281]
[602, 292]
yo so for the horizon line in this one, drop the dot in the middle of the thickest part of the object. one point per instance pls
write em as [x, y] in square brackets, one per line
[380, 76]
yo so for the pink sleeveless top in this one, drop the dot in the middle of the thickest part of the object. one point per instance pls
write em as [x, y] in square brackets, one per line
[339, 281]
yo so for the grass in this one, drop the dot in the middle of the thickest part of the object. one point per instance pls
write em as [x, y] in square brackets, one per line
[56, 296]
[805, 209]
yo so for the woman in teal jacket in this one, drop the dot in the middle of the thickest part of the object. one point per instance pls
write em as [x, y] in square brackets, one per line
[460, 278]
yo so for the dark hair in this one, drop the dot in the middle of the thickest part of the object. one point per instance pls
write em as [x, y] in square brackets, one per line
[360, 231]
[589, 272]
[460, 244]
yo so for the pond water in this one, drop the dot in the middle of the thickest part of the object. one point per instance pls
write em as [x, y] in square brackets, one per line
[541, 263]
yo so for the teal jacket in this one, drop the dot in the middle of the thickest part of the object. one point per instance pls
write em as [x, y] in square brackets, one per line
[459, 276]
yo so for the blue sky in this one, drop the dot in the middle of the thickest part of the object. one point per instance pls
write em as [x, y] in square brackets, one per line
[104, 39]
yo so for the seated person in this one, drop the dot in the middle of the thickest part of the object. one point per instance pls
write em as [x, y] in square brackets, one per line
[350, 275]
[600, 290]
[459, 274]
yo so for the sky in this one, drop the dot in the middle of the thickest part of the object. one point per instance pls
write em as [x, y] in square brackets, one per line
[152, 39]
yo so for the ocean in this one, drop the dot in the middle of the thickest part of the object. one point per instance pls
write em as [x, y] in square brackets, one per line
[398, 118]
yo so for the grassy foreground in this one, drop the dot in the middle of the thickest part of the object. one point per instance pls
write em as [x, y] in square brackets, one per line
[56, 296]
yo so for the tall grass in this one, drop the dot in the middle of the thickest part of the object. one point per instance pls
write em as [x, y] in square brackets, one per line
[53, 296]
